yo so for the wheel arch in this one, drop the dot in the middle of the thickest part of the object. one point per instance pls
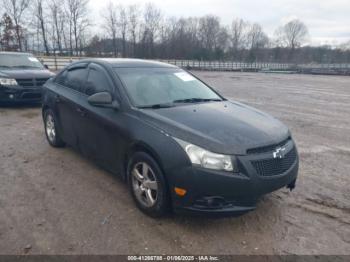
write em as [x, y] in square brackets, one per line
[140, 146]
[43, 109]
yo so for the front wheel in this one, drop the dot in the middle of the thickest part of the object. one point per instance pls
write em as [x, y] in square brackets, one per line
[147, 185]
[52, 135]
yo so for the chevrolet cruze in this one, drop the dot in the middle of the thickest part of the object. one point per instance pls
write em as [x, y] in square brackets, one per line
[178, 143]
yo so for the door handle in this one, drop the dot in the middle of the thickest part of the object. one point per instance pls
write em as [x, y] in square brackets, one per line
[81, 111]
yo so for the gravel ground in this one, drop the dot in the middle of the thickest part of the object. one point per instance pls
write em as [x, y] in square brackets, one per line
[53, 201]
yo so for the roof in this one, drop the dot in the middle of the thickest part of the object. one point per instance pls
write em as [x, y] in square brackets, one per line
[133, 63]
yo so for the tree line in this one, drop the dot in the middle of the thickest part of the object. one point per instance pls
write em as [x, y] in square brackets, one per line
[65, 27]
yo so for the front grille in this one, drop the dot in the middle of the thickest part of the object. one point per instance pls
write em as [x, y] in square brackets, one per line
[25, 82]
[31, 96]
[275, 166]
[269, 148]
[37, 82]
[41, 81]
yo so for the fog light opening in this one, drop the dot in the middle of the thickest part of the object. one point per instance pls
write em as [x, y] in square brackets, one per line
[211, 202]
[215, 202]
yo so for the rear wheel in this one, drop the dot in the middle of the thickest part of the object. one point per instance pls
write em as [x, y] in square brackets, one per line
[52, 135]
[147, 185]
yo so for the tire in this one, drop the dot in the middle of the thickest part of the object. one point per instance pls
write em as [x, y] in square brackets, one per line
[148, 186]
[52, 134]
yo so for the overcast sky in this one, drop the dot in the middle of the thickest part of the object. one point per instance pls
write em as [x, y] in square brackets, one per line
[328, 20]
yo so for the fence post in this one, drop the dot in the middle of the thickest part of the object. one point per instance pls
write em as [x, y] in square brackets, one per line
[55, 61]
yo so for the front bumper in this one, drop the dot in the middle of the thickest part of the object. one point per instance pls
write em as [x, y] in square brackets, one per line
[20, 94]
[225, 193]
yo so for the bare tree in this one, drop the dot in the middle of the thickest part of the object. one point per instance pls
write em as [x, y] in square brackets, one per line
[152, 18]
[209, 27]
[111, 24]
[15, 9]
[78, 21]
[58, 20]
[38, 11]
[192, 27]
[133, 21]
[256, 38]
[64, 24]
[238, 36]
[83, 36]
[123, 24]
[221, 41]
[7, 34]
[293, 34]
[168, 38]
[174, 38]
[345, 46]
[2, 30]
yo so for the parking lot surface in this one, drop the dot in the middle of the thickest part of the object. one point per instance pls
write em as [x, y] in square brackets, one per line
[54, 201]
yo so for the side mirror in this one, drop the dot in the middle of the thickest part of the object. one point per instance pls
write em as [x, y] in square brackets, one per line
[46, 66]
[103, 99]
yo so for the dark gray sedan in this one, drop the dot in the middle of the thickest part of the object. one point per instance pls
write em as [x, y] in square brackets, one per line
[177, 142]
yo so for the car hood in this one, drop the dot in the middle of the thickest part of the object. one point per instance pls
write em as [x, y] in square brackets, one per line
[26, 73]
[222, 127]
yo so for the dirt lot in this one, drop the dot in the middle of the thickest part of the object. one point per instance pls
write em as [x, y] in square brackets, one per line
[56, 202]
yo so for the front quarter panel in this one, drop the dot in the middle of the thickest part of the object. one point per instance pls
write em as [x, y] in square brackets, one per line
[168, 153]
[48, 95]
[49, 92]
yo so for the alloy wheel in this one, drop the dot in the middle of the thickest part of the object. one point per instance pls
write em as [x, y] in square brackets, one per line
[144, 184]
[50, 128]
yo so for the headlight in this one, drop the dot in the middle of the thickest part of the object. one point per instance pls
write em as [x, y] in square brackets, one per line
[205, 158]
[8, 82]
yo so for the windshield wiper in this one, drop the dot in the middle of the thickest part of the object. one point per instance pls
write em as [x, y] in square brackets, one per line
[156, 106]
[196, 100]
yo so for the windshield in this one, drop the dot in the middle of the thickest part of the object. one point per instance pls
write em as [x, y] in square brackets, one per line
[22, 61]
[155, 87]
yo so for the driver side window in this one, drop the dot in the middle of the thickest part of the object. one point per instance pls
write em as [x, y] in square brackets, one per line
[97, 82]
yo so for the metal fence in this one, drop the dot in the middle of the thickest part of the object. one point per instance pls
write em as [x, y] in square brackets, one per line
[57, 63]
